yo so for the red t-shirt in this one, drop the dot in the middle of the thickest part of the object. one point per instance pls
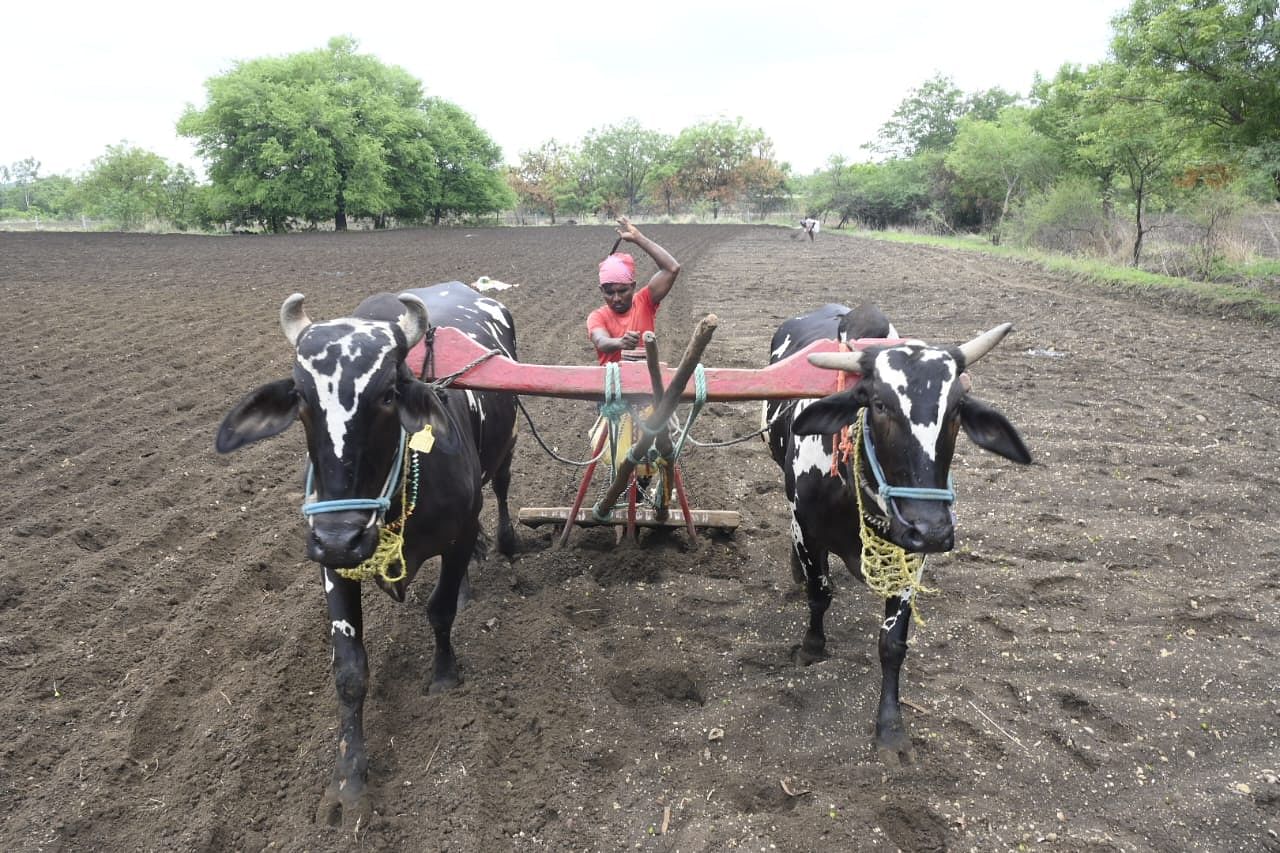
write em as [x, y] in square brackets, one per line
[639, 318]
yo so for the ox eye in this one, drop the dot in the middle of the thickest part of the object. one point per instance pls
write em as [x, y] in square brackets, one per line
[877, 405]
[389, 396]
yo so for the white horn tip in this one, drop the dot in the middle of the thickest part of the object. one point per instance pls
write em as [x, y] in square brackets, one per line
[849, 361]
[293, 317]
[418, 320]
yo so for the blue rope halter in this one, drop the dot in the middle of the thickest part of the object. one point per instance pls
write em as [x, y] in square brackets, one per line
[379, 505]
[888, 493]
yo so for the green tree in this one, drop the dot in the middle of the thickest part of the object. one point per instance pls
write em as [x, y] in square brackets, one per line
[23, 174]
[185, 204]
[543, 178]
[1148, 146]
[924, 121]
[765, 183]
[54, 196]
[825, 187]
[1219, 66]
[987, 105]
[884, 194]
[1068, 109]
[999, 162]
[331, 133]
[468, 176]
[710, 157]
[620, 158]
[662, 184]
[126, 185]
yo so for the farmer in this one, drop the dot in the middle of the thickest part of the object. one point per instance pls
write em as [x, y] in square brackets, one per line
[617, 326]
[810, 226]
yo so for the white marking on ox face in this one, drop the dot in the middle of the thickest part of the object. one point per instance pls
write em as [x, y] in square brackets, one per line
[343, 627]
[782, 347]
[377, 335]
[925, 433]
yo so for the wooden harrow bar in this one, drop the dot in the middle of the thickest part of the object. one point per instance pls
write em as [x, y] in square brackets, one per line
[792, 378]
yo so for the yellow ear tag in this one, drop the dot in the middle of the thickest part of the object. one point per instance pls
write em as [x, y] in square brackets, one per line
[423, 440]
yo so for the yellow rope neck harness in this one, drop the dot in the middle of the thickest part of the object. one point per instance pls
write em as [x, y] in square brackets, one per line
[887, 568]
[389, 555]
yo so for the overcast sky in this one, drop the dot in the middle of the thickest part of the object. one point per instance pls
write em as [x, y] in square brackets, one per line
[819, 78]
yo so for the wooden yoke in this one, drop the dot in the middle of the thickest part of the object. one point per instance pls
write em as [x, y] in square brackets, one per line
[790, 379]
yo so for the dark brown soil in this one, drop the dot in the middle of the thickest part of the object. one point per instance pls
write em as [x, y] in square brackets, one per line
[1098, 671]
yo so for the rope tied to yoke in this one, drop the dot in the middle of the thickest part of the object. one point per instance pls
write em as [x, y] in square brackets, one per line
[842, 449]
[649, 461]
[888, 569]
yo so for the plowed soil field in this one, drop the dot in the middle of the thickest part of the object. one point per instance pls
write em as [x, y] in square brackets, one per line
[1097, 671]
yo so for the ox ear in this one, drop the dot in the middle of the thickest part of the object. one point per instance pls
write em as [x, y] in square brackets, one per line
[830, 414]
[262, 413]
[419, 406]
[992, 431]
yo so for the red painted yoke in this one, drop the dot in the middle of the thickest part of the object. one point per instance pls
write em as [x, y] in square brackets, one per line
[792, 378]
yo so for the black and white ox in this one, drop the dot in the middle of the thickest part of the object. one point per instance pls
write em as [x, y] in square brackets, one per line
[913, 400]
[358, 401]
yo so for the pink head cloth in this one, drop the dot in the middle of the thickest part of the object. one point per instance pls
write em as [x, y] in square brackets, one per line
[618, 268]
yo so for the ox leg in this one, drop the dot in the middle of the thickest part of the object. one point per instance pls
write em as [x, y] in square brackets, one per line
[501, 484]
[442, 607]
[346, 799]
[813, 562]
[891, 733]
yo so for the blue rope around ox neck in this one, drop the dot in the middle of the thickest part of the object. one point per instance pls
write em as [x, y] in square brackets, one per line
[379, 504]
[888, 492]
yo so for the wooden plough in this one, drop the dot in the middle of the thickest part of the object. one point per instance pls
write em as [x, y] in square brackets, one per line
[472, 367]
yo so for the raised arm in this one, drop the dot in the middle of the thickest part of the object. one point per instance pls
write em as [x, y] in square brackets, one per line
[668, 267]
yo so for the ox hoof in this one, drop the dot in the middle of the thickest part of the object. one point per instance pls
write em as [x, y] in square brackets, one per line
[444, 683]
[507, 542]
[806, 654]
[894, 746]
[347, 806]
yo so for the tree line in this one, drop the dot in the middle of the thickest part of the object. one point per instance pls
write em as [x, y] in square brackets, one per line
[1183, 115]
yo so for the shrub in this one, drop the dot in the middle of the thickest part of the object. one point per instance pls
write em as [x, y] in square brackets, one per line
[1066, 218]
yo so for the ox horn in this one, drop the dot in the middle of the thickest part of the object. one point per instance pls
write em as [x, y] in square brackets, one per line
[983, 343]
[416, 322]
[293, 318]
[850, 361]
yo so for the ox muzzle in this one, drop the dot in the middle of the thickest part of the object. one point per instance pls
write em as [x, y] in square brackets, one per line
[344, 532]
[920, 519]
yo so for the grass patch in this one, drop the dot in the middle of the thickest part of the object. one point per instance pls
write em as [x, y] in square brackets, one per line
[1219, 298]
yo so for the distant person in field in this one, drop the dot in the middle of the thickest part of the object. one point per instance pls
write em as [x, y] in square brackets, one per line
[810, 226]
[616, 327]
